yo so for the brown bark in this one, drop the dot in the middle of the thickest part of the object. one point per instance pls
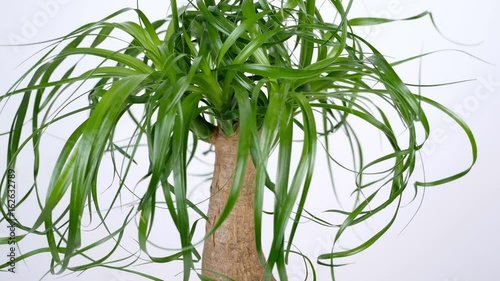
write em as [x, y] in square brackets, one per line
[231, 250]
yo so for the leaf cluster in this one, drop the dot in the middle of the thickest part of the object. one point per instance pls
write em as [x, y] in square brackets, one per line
[268, 71]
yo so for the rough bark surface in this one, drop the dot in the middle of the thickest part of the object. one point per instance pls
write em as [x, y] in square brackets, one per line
[231, 250]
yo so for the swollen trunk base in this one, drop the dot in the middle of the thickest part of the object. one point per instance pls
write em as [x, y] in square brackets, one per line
[231, 250]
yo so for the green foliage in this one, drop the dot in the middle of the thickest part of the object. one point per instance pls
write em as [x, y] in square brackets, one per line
[268, 71]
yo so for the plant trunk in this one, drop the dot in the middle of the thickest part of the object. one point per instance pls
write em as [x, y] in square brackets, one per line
[231, 250]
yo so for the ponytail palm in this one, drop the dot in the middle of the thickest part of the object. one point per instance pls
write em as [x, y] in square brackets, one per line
[251, 79]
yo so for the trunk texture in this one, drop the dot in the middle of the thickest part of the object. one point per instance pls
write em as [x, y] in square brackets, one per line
[231, 250]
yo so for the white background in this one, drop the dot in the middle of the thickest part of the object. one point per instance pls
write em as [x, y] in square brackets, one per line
[455, 234]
